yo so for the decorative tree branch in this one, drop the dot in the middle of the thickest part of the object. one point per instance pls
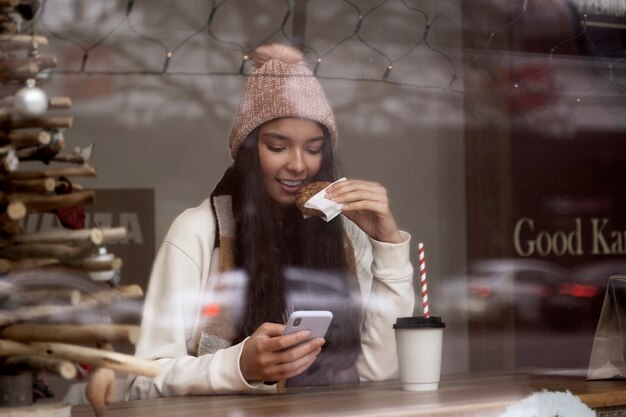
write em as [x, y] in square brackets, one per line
[89, 301]
[80, 354]
[86, 171]
[96, 235]
[39, 186]
[58, 122]
[21, 42]
[21, 139]
[93, 334]
[43, 203]
[63, 368]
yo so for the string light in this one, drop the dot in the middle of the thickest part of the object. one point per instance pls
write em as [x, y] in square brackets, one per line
[363, 18]
[318, 61]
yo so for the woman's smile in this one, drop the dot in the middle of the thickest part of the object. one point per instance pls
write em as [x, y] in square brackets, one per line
[291, 187]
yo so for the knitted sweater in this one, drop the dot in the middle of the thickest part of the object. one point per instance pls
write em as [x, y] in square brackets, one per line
[183, 268]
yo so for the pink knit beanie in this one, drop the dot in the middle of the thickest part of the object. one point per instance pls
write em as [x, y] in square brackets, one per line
[281, 86]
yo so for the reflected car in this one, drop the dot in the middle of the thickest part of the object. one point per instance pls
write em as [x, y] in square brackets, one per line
[590, 281]
[525, 292]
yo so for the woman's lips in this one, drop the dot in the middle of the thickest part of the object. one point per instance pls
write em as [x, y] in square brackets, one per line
[291, 186]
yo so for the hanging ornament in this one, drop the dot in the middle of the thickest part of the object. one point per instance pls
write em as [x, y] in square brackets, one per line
[103, 256]
[30, 101]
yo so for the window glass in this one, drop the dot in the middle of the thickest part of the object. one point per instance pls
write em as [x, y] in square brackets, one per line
[497, 127]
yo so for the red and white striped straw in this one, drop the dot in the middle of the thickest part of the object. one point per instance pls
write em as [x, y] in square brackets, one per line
[420, 247]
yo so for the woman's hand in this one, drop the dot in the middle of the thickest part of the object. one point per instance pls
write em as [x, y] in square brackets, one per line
[101, 390]
[269, 356]
[367, 205]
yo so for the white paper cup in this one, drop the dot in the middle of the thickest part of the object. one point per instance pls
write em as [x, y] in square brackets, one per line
[419, 341]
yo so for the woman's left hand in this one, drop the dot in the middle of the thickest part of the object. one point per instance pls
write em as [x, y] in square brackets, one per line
[367, 205]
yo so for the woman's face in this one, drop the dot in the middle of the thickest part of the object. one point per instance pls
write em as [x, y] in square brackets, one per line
[290, 152]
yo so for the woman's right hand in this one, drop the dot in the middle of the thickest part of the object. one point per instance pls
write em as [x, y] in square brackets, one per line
[269, 356]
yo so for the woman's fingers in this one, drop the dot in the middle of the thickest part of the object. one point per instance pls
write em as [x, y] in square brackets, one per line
[350, 187]
[268, 355]
[374, 206]
[296, 360]
[367, 205]
[270, 342]
[357, 191]
[100, 390]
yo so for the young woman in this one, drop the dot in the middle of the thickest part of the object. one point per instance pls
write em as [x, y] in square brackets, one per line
[282, 139]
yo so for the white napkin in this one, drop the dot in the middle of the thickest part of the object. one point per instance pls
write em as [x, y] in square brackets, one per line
[326, 206]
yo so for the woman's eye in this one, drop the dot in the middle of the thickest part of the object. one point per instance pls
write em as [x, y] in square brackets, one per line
[314, 151]
[275, 148]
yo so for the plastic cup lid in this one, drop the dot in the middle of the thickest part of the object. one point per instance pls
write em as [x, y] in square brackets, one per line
[418, 322]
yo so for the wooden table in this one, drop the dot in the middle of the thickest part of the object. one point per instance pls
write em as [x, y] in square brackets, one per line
[467, 395]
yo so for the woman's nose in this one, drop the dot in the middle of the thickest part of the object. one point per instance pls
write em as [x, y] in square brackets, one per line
[296, 162]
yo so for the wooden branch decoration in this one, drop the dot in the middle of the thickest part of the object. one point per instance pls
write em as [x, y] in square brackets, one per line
[42, 311]
[43, 152]
[67, 296]
[54, 103]
[8, 27]
[59, 267]
[63, 368]
[25, 344]
[79, 354]
[89, 301]
[10, 161]
[43, 203]
[106, 297]
[59, 103]
[21, 42]
[64, 187]
[100, 265]
[9, 3]
[20, 74]
[64, 253]
[58, 122]
[86, 171]
[74, 334]
[70, 158]
[14, 212]
[9, 228]
[21, 139]
[8, 265]
[37, 186]
[96, 235]
[41, 63]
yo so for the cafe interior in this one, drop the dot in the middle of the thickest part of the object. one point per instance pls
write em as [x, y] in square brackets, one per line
[495, 126]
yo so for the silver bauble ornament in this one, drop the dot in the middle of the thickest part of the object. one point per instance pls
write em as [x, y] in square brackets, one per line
[30, 101]
[102, 256]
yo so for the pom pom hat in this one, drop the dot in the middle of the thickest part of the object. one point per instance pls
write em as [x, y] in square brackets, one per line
[280, 86]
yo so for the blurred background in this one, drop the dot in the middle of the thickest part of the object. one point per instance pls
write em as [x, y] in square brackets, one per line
[498, 127]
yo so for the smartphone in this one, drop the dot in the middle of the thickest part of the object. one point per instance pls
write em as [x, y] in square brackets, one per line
[316, 322]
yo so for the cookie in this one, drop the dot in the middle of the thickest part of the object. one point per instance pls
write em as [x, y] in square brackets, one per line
[305, 193]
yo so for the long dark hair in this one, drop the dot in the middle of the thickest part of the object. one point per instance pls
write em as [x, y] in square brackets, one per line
[267, 250]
